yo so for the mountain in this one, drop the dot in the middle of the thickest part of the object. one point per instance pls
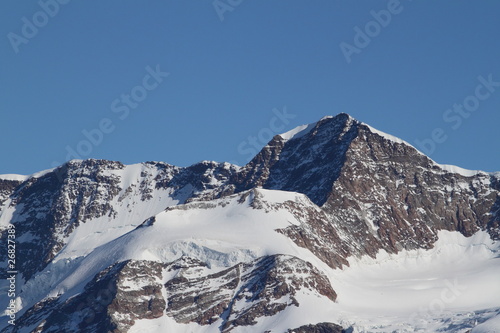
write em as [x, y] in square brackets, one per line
[331, 227]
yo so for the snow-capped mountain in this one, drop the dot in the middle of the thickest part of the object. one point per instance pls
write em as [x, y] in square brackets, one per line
[332, 227]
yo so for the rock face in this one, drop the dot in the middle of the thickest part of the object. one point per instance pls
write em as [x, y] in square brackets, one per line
[111, 302]
[318, 328]
[242, 293]
[419, 196]
[366, 192]
[132, 290]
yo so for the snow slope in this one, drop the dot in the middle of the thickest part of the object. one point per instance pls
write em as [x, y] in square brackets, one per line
[420, 290]
[25, 177]
[222, 233]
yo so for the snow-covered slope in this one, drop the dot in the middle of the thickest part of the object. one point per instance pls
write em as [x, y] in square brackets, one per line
[333, 225]
[447, 288]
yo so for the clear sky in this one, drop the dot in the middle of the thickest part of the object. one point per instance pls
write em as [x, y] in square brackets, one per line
[184, 81]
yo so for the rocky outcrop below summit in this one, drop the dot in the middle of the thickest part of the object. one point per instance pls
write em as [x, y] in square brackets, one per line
[132, 290]
[243, 293]
[111, 302]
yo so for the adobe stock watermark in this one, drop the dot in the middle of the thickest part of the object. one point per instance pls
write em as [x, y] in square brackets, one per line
[120, 106]
[363, 37]
[436, 306]
[30, 27]
[253, 143]
[456, 114]
[223, 6]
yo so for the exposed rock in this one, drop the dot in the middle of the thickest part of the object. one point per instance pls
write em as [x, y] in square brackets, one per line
[243, 293]
[111, 302]
[318, 328]
[7, 187]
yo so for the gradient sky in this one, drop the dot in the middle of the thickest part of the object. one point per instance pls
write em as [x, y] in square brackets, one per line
[228, 79]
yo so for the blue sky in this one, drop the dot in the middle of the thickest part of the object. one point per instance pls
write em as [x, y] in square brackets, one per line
[90, 77]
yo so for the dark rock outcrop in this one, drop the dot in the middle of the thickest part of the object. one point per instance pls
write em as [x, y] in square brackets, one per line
[111, 302]
[318, 328]
[242, 293]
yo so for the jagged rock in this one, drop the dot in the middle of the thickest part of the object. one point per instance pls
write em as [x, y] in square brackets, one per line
[111, 302]
[242, 293]
[318, 328]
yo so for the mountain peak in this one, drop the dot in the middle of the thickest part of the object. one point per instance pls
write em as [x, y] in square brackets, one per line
[215, 247]
[302, 130]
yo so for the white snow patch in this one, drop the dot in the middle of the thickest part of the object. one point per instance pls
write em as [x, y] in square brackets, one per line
[420, 288]
[298, 132]
[41, 173]
[14, 177]
[492, 325]
[460, 171]
[26, 177]
[276, 196]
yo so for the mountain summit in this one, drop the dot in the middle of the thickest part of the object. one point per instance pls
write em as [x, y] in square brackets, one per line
[331, 227]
